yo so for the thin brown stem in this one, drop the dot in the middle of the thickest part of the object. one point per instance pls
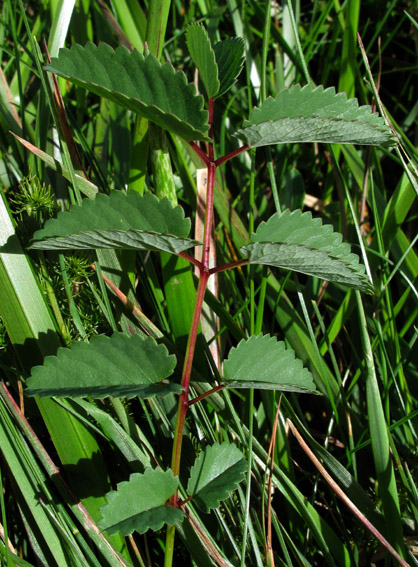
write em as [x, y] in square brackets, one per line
[231, 155]
[206, 394]
[228, 266]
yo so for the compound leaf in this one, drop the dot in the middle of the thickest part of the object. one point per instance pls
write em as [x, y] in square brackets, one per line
[229, 56]
[118, 366]
[139, 84]
[216, 473]
[200, 49]
[140, 504]
[121, 220]
[297, 242]
[308, 114]
[263, 362]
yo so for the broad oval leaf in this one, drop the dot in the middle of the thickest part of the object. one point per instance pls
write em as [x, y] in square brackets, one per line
[230, 57]
[118, 366]
[140, 84]
[264, 362]
[121, 220]
[216, 473]
[295, 241]
[308, 114]
[200, 49]
[139, 504]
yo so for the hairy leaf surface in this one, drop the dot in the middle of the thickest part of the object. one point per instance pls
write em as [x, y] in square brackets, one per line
[121, 220]
[200, 49]
[308, 114]
[297, 242]
[140, 84]
[118, 366]
[263, 362]
[140, 504]
[216, 473]
[230, 59]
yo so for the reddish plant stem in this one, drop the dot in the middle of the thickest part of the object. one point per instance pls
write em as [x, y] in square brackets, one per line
[228, 266]
[191, 259]
[200, 152]
[229, 156]
[206, 394]
[203, 280]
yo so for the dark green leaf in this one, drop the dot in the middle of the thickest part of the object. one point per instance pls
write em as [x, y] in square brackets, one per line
[140, 504]
[200, 49]
[230, 59]
[216, 473]
[307, 114]
[263, 362]
[140, 84]
[297, 242]
[121, 220]
[118, 366]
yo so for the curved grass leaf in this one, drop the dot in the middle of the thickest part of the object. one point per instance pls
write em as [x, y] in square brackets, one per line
[121, 220]
[216, 473]
[140, 84]
[307, 114]
[200, 49]
[139, 504]
[118, 366]
[297, 242]
[263, 362]
[230, 57]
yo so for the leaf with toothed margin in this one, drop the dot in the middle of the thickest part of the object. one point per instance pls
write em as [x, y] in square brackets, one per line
[230, 57]
[139, 504]
[308, 114]
[216, 472]
[200, 49]
[117, 366]
[121, 220]
[266, 363]
[296, 241]
[137, 83]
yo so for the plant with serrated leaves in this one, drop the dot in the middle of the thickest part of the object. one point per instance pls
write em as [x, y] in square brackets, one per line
[134, 366]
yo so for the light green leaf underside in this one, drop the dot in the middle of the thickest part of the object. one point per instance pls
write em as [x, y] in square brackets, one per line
[230, 59]
[139, 504]
[263, 362]
[296, 241]
[118, 366]
[121, 220]
[200, 49]
[140, 84]
[307, 114]
[216, 473]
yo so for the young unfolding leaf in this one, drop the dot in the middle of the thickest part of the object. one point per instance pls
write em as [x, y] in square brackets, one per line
[121, 220]
[230, 59]
[118, 366]
[140, 504]
[216, 473]
[140, 84]
[200, 49]
[297, 242]
[308, 114]
[263, 362]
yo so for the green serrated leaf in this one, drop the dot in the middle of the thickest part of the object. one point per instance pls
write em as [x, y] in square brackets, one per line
[308, 114]
[121, 220]
[216, 473]
[140, 84]
[200, 49]
[118, 366]
[263, 362]
[140, 504]
[297, 242]
[230, 56]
